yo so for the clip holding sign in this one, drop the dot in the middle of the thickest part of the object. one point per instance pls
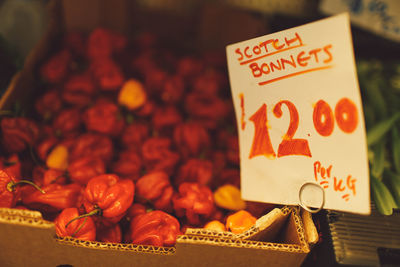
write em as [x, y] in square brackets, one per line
[301, 202]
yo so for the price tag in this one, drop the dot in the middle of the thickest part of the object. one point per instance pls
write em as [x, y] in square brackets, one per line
[300, 119]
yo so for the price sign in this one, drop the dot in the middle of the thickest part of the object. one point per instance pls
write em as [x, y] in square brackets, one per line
[299, 115]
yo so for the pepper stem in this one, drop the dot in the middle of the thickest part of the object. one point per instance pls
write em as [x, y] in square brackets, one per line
[80, 227]
[96, 211]
[11, 185]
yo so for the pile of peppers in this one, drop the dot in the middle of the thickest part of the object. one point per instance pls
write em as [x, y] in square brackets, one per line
[128, 142]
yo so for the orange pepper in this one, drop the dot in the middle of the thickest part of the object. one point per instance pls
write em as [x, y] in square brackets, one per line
[240, 221]
[58, 158]
[228, 197]
[215, 225]
[132, 94]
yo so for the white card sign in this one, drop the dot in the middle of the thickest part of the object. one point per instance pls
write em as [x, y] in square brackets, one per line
[299, 115]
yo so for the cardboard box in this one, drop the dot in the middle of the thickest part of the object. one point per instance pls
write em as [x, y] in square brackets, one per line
[277, 239]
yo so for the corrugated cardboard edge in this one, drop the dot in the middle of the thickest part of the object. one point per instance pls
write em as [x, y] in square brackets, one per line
[266, 229]
[310, 230]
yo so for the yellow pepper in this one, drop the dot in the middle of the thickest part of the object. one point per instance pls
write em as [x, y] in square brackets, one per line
[215, 225]
[58, 158]
[132, 94]
[240, 221]
[228, 197]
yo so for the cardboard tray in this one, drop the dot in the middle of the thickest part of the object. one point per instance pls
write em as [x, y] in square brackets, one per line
[277, 239]
[28, 240]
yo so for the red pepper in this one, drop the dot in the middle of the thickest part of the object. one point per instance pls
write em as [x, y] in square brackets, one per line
[56, 68]
[45, 146]
[104, 117]
[107, 74]
[194, 202]
[99, 44]
[18, 133]
[157, 155]
[209, 109]
[9, 191]
[67, 121]
[134, 135]
[173, 89]
[195, 171]
[134, 210]
[82, 169]
[191, 138]
[154, 79]
[52, 176]
[166, 117]
[155, 228]
[8, 195]
[210, 82]
[56, 197]
[128, 165]
[67, 224]
[11, 165]
[79, 89]
[189, 67]
[111, 234]
[108, 197]
[147, 109]
[156, 188]
[48, 104]
[93, 145]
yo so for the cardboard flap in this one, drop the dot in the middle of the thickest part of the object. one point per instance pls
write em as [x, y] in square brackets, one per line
[310, 230]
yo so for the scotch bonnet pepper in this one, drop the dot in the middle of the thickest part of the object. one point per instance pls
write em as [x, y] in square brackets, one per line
[155, 228]
[9, 192]
[240, 221]
[67, 223]
[108, 197]
[156, 188]
[56, 197]
[18, 133]
[194, 202]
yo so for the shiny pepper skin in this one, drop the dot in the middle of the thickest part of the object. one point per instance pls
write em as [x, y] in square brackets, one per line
[194, 202]
[104, 117]
[155, 228]
[83, 228]
[240, 221]
[156, 188]
[110, 195]
[18, 133]
[56, 197]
